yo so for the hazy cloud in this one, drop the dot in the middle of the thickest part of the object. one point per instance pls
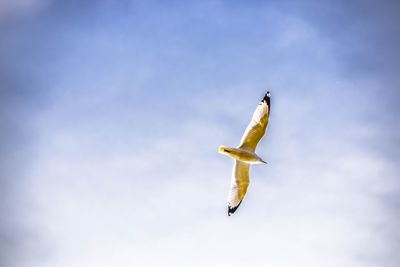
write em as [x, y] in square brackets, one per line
[113, 112]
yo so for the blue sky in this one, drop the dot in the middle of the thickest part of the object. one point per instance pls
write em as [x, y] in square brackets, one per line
[112, 113]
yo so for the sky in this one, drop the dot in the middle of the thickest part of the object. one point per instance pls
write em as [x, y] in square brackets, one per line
[112, 113]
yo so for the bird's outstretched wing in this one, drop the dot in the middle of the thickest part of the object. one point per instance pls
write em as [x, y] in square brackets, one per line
[256, 128]
[240, 182]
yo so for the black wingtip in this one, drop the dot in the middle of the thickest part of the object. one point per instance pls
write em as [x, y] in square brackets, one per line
[267, 99]
[232, 210]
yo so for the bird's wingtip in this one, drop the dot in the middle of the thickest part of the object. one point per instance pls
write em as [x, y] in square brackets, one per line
[267, 100]
[232, 210]
[267, 96]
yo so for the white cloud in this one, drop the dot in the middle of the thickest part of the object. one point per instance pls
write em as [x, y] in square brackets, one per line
[163, 201]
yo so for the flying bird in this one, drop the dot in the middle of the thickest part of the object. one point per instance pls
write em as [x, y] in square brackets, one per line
[244, 155]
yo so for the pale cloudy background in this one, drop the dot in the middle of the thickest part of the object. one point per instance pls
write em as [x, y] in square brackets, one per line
[112, 111]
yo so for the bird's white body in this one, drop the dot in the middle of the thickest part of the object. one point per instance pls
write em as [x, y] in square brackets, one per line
[245, 155]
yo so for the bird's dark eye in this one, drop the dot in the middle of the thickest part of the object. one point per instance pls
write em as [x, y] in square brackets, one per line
[226, 150]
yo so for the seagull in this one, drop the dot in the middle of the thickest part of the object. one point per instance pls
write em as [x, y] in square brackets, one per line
[244, 155]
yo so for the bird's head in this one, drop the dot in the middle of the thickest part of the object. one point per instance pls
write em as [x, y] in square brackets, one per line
[223, 150]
